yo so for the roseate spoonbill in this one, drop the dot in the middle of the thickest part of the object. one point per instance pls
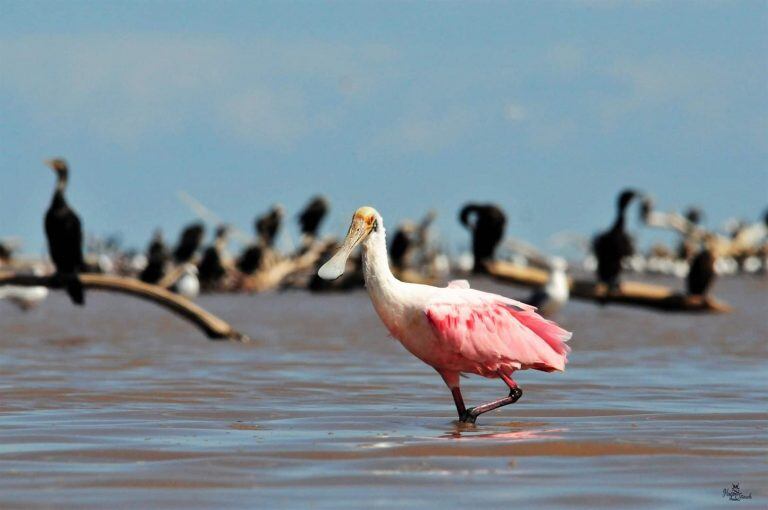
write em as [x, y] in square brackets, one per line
[614, 244]
[550, 298]
[454, 329]
[65, 235]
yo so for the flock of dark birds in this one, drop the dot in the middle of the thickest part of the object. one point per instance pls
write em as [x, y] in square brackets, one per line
[214, 270]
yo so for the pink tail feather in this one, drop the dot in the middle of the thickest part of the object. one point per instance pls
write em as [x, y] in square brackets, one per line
[554, 335]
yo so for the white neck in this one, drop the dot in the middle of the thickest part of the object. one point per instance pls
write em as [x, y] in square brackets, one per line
[379, 280]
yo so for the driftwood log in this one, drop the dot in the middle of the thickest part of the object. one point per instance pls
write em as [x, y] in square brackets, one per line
[630, 293]
[277, 270]
[214, 327]
[746, 241]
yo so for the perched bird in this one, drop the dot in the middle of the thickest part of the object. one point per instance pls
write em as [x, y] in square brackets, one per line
[687, 245]
[250, 260]
[401, 245]
[268, 225]
[65, 236]
[312, 215]
[189, 242]
[211, 268]
[188, 284]
[157, 259]
[6, 253]
[550, 298]
[694, 215]
[25, 298]
[613, 245]
[702, 273]
[454, 329]
[487, 230]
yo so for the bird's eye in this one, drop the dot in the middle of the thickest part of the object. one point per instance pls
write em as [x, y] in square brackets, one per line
[375, 225]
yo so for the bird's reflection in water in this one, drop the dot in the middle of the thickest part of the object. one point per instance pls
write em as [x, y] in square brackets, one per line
[511, 431]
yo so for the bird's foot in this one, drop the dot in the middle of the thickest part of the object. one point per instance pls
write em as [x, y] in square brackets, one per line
[469, 416]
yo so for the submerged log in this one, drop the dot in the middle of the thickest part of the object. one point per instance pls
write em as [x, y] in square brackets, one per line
[214, 327]
[630, 293]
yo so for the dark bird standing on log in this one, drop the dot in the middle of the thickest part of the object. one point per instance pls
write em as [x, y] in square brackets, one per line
[5, 253]
[189, 242]
[487, 231]
[687, 246]
[613, 245]
[211, 268]
[250, 260]
[268, 225]
[401, 245]
[157, 259]
[65, 236]
[702, 271]
[312, 215]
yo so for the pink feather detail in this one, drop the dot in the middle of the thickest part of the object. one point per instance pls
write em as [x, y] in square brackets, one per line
[486, 333]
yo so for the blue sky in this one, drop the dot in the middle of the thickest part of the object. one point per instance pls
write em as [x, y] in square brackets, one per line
[547, 108]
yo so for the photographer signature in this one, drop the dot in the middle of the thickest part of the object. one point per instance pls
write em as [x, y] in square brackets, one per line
[735, 494]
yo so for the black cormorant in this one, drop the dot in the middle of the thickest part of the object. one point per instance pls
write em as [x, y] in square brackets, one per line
[487, 230]
[400, 246]
[702, 271]
[613, 245]
[268, 225]
[211, 268]
[157, 259]
[5, 253]
[312, 215]
[250, 260]
[189, 242]
[65, 236]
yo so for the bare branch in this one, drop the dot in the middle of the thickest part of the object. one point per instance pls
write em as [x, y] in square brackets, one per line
[214, 327]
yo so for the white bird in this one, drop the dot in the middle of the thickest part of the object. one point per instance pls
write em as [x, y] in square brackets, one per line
[550, 298]
[23, 297]
[455, 329]
[188, 285]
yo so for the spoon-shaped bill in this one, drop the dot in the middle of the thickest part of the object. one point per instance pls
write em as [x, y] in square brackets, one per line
[334, 268]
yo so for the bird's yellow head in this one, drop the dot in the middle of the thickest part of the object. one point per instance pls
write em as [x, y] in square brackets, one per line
[366, 214]
[364, 221]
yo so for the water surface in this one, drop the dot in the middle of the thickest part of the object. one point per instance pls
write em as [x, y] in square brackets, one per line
[122, 405]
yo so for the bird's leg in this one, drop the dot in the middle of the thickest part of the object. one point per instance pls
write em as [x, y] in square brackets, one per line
[471, 414]
[452, 381]
[459, 401]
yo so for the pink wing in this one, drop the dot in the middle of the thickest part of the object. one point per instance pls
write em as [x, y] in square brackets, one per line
[490, 331]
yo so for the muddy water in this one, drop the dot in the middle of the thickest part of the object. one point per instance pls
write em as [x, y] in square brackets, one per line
[121, 405]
